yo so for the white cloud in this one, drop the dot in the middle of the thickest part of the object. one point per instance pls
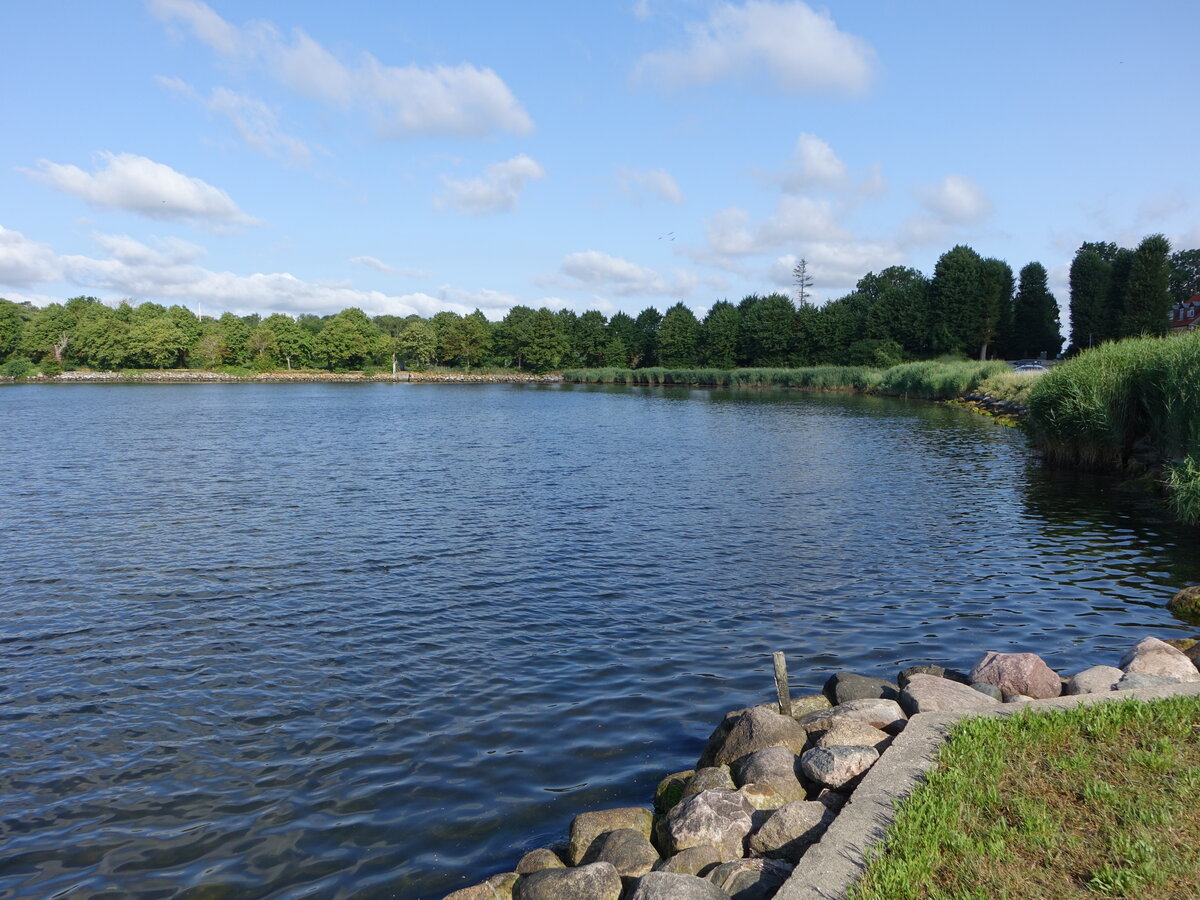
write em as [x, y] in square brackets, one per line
[800, 219]
[462, 100]
[641, 10]
[814, 164]
[24, 262]
[601, 271]
[371, 262]
[654, 182]
[137, 184]
[801, 48]
[956, 200]
[496, 191]
[258, 126]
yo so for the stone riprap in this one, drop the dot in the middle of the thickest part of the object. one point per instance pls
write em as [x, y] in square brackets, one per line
[768, 786]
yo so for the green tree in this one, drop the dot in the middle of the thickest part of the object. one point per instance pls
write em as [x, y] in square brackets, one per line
[899, 299]
[1184, 275]
[765, 336]
[417, 344]
[293, 342]
[1036, 327]
[956, 302]
[263, 348]
[623, 333]
[348, 340]
[646, 336]
[678, 338]
[1090, 278]
[468, 339]
[234, 334]
[1118, 284]
[49, 333]
[995, 316]
[591, 338]
[547, 342]
[1147, 308]
[719, 335]
[11, 324]
[513, 335]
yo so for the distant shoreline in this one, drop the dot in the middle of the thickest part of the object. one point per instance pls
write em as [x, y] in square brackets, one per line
[188, 377]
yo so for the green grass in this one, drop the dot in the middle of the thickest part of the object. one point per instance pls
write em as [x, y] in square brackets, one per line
[1096, 801]
[1013, 387]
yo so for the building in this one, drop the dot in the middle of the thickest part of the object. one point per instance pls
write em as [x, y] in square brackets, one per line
[1185, 316]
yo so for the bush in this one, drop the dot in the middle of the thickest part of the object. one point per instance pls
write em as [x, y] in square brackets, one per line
[17, 367]
[49, 368]
[263, 363]
[236, 371]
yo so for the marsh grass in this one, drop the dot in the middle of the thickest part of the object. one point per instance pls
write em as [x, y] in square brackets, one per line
[1013, 387]
[1096, 801]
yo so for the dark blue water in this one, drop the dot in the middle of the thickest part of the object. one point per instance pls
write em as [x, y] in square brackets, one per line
[375, 641]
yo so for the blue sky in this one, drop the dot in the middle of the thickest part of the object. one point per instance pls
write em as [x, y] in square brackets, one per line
[305, 157]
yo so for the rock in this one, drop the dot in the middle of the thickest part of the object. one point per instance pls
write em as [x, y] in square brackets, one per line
[475, 892]
[775, 767]
[750, 879]
[504, 884]
[832, 800]
[672, 886]
[670, 790]
[1186, 604]
[1131, 681]
[628, 850]
[852, 733]
[1017, 698]
[756, 728]
[990, 689]
[791, 830]
[842, 687]
[693, 861]
[536, 860]
[925, 693]
[722, 731]
[1150, 656]
[718, 817]
[1183, 645]
[835, 766]
[885, 714]
[927, 669]
[588, 826]
[809, 703]
[1093, 680]
[598, 881]
[707, 779]
[1193, 653]
[762, 796]
[1018, 673]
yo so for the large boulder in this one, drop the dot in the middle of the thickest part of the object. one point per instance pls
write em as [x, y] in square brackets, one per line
[720, 817]
[927, 693]
[763, 796]
[756, 728]
[1131, 681]
[672, 886]
[670, 790]
[842, 687]
[693, 861]
[504, 884]
[791, 830]
[807, 703]
[1150, 656]
[707, 779]
[884, 714]
[588, 826]
[775, 767]
[852, 733]
[1093, 680]
[835, 766]
[475, 892]
[598, 881]
[1186, 604]
[628, 850]
[1018, 673]
[751, 879]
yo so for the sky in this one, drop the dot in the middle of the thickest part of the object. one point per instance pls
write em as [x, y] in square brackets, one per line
[304, 157]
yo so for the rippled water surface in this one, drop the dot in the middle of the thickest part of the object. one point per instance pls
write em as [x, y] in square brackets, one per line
[375, 641]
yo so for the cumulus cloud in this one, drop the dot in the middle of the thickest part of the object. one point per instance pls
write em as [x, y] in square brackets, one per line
[796, 218]
[657, 183]
[956, 200]
[462, 100]
[600, 271]
[378, 265]
[257, 125]
[24, 262]
[496, 191]
[137, 184]
[800, 48]
[815, 164]
[836, 266]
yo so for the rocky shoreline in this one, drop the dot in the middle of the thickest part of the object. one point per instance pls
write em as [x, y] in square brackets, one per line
[772, 778]
[174, 376]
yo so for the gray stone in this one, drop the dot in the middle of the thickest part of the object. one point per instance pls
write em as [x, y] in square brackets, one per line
[1131, 681]
[751, 879]
[588, 826]
[927, 669]
[925, 693]
[885, 714]
[1093, 680]
[504, 884]
[1186, 604]
[1018, 673]
[694, 860]
[718, 817]
[1150, 656]
[474, 892]
[536, 860]
[852, 733]
[628, 850]
[672, 886]
[775, 767]
[809, 703]
[707, 779]
[791, 830]
[670, 790]
[835, 766]
[763, 796]
[756, 728]
[990, 689]
[842, 687]
[1017, 698]
[598, 881]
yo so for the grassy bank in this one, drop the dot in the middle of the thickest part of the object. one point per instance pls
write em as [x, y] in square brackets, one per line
[933, 380]
[1126, 403]
[1097, 801]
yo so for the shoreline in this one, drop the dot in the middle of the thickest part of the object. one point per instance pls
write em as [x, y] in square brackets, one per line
[173, 376]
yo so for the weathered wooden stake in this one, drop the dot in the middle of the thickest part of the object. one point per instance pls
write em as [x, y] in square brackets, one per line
[781, 685]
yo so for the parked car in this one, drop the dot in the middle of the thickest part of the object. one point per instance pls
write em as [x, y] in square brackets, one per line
[1030, 367]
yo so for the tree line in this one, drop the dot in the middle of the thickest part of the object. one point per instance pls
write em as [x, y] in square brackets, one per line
[971, 306]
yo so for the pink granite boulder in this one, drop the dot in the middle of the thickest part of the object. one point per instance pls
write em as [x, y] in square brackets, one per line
[1018, 673]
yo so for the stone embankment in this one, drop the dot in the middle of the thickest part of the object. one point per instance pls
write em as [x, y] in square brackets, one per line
[993, 406]
[769, 784]
[176, 376]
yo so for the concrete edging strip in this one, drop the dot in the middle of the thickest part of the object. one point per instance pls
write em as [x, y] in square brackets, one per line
[831, 866]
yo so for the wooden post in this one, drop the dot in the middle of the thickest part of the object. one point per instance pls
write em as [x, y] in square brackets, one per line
[781, 684]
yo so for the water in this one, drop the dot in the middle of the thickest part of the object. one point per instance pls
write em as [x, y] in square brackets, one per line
[376, 641]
